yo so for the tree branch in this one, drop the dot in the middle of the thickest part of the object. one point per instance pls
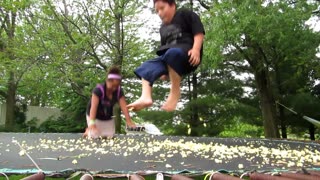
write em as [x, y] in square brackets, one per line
[3, 24]
[75, 88]
[94, 54]
[242, 68]
[203, 4]
[35, 29]
[64, 26]
[25, 70]
[244, 54]
[263, 54]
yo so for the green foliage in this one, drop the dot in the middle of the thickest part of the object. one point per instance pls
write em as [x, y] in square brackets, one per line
[62, 125]
[305, 104]
[267, 39]
[61, 51]
[240, 129]
[32, 124]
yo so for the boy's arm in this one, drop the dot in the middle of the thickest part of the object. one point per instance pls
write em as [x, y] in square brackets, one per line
[198, 32]
[194, 53]
[198, 39]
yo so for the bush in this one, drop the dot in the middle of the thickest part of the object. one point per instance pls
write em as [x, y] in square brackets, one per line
[243, 130]
[62, 125]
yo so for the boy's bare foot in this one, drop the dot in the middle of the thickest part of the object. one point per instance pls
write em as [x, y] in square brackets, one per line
[171, 103]
[140, 104]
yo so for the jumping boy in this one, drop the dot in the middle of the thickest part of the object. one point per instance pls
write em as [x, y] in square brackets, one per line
[180, 53]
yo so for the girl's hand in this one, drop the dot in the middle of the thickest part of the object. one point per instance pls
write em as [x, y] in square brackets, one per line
[85, 134]
[131, 124]
[194, 57]
[93, 128]
[90, 130]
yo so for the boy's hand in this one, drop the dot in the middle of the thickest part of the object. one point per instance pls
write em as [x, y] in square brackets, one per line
[164, 77]
[194, 57]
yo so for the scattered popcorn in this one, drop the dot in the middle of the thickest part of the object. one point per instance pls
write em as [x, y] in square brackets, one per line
[281, 155]
[290, 164]
[22, 152]
[240, 166]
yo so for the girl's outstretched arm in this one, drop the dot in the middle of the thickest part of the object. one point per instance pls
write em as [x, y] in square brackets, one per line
[125, 111]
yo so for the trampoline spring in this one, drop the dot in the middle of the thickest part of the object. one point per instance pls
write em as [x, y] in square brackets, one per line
[208, 174]
[135, 177]
[38, 176]
[245, 174]
[220, 176]
[212, 174]
[180, 177]
[298, 176]
[314, 173]
[159, 176]
[87, 177]
[275, 174]
[258, 176]
[4, 175]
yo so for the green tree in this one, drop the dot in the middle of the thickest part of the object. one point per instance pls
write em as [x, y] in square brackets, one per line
[263, 34]
[82, 39]
[16, 58]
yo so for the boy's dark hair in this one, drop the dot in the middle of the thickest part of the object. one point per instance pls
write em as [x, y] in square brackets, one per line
[114, 70]
[170, 2]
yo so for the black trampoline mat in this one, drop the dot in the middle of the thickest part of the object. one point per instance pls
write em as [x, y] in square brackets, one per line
[58, 152]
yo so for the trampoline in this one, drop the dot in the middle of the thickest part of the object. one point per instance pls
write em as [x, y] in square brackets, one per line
[68, 153]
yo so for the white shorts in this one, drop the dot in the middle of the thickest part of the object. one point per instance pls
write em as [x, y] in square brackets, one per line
[106, 128]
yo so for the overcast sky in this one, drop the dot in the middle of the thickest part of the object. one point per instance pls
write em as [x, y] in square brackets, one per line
[153, 22]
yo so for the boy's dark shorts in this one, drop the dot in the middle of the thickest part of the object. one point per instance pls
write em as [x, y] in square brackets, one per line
[176, 58]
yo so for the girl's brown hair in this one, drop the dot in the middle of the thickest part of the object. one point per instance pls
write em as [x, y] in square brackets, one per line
[114, 70]
[170, 2]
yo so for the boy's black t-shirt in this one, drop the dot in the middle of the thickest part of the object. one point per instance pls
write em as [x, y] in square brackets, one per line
[181, 31]
[105, 106]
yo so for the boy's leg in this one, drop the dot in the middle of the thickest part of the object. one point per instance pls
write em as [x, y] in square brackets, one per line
[174, 95]
[178, 65]
[149, 72]
[145, 99]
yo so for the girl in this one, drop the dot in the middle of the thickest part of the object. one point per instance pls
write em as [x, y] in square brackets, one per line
[180, 53]
[100, 107]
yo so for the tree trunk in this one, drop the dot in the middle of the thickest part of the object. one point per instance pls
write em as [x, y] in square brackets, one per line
[118, 34]
[12, 87]
[279, 93]
[267, 104]
[312, 132]
[194, 119]
[259, 63]
[194, 124]
[117, 118]
[119, 56]
[10, 103]
[283, 123]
